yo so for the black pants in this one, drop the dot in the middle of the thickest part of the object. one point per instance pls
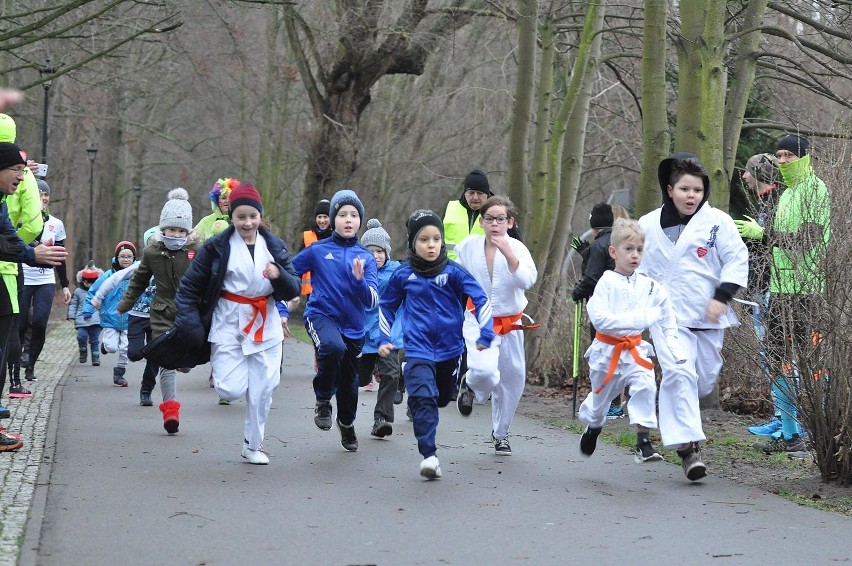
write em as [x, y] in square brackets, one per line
[389, 372]
[8, 327]
[138, 334]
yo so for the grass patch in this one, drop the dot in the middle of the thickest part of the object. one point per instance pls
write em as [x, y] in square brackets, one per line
[298, 332]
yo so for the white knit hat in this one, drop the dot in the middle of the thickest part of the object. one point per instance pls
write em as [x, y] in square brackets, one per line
[177, 212]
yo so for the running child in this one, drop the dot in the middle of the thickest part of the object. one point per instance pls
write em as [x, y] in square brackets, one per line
[696, 251]
[504, 268]
[88, 331]
[378, 241]
[228, 297]
[624, 304]
[433, 288]
[166, 260]
[343, 276]
[114, 323]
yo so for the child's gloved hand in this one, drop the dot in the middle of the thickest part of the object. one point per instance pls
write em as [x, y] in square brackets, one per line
[749, 229]
[87, 316]
[578, 244]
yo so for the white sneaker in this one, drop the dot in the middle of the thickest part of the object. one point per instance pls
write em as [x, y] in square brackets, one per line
[430, 468]
[255, 456]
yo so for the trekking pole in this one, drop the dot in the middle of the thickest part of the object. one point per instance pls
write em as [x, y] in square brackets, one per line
[578, 314]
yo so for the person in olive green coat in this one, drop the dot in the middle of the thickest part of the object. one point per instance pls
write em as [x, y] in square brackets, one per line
[166, 260]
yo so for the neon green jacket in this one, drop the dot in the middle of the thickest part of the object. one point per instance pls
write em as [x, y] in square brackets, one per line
[457, 226]
[25, 213]
[212, 224]
[805, 201]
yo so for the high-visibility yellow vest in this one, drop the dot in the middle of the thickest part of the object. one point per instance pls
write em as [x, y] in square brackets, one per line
[456, 227]
[309, 237]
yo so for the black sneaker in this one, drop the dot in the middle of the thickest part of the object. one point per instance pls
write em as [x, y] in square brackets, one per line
[84, 354]
[397, 397]
[347, 437]
[501, 446]
[645, 452]
[589, 440]
[29, 374]
[323, 415]
[103, 349]
[464, 402]
[693, 468]
[145, 399]
[381, 428]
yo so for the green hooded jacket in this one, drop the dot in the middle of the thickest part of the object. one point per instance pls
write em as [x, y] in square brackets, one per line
[805, 201]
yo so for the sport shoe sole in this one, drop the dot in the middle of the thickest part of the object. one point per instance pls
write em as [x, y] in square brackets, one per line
[382, 430]
[693, 468]
[348, 439]
[464, 400]
[430, 468]
[120, 382]
[323, 416]
[589, 441]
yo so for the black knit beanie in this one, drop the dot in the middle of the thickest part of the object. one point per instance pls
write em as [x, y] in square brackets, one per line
[477, 181]
[322, 207]
[601, 216]
[418, 220]
[794, 144]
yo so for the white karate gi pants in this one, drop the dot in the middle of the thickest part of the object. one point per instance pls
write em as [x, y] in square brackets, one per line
[684, 384]
[642, 405]
[254, 375]
[499, 371]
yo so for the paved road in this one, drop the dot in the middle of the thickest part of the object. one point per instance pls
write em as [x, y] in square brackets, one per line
[115, 489]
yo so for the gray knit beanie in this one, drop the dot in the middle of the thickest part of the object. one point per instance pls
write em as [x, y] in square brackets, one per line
[376, 236]
[342, 198]
[177, 212]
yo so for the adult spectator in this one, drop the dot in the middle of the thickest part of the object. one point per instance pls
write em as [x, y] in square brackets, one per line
[800, 233]
[763, 178]
[12, 248]
[40, 288]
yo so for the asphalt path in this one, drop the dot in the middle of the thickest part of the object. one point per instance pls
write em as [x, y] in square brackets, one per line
[118, 490]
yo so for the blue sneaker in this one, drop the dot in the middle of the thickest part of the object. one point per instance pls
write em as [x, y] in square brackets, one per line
[803, 434]
[767, 429]
[615, 412]
[4, 412]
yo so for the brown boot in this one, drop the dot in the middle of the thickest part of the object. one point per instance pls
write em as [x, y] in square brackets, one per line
[171, 415]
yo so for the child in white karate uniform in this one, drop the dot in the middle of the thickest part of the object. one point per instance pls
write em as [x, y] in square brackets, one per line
[505, 269]
[625, 303]
[696, 251]
[228, 297]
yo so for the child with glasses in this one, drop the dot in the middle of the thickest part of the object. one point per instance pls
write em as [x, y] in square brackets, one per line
[504, 267]
[114, 334]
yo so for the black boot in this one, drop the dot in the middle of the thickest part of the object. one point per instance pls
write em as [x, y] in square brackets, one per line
[118, 377]
[84, 354]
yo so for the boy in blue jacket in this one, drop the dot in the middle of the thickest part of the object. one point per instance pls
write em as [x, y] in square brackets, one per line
[343, 277]
[433, 288]
[377, 240]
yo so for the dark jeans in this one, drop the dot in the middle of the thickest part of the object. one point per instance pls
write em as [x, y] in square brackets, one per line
[337, 366]
[90, 335]
[389, 372]
[138, 334]
[430, 385]
[40, 298]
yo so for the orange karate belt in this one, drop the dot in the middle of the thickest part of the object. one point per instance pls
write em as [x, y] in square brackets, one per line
[621, 343]
[506, 324]
[258, 308]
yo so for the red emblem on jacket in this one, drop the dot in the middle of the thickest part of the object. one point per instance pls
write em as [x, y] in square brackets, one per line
[702, 251]
[190, 254]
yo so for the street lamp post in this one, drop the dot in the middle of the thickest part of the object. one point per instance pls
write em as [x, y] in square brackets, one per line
[92, 150]
[137, 192]
[45, 70]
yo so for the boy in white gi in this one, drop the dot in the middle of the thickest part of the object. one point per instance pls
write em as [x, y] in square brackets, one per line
[228, 297]
[503, 267]
[625, 303]
[433, 288]
[696, 251]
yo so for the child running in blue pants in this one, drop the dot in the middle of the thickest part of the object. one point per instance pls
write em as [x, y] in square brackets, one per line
[433, 288]
[344, 281]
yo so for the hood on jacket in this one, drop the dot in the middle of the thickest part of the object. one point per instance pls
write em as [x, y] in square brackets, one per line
[669, 215]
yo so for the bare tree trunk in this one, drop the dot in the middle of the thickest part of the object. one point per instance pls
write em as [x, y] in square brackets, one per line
[702, 84]
[655, 124]
[541, 138]
[527, 23]
[743, 79]
[567, 170]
